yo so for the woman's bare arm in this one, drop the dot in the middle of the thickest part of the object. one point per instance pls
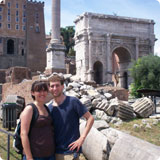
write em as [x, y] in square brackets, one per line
[26, 118]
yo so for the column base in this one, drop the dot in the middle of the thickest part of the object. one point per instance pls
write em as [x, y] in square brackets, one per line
[49, 71]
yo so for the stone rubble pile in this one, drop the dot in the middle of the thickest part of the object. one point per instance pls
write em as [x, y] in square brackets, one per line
[101, 100]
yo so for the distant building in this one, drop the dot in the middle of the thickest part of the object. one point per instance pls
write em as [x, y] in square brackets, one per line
[22, 34]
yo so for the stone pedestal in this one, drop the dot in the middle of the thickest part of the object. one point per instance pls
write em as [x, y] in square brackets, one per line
[55, 58]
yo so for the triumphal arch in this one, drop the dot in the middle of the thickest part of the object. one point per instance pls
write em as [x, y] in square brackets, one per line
[105, 46]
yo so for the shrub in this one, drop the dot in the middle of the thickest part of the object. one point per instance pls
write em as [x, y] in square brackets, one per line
[146, 74]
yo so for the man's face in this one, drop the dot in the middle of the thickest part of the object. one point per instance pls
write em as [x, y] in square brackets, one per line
[56, 88]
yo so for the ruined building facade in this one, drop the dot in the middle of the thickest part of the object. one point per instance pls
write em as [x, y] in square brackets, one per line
[105, 46]
[22, 34]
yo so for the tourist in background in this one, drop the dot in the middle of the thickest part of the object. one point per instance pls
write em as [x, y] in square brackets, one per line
[66, 112]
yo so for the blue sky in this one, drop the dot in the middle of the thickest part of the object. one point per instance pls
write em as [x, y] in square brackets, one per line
[70, 9]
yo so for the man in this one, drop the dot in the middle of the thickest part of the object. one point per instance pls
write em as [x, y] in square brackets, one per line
[66, 112]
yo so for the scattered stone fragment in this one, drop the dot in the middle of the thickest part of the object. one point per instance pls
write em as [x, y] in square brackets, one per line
[143, 107]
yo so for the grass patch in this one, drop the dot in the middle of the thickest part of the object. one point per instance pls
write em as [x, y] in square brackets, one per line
[151, 135]
[3, 146]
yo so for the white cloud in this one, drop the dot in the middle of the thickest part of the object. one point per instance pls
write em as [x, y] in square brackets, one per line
[158, 1]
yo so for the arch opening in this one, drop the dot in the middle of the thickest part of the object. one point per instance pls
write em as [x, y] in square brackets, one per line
[121, 59]
[98, 72]
[10, 46]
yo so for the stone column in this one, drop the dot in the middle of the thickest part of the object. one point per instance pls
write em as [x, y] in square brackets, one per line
[55, 50]
[90, 71]
[137, 48]
[55, 37]
[104, 53]
[152, 42]
[86, 61]
[109, 59]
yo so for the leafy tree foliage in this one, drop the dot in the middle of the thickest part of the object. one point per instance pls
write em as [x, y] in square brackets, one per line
[146, 74]
[68, 34]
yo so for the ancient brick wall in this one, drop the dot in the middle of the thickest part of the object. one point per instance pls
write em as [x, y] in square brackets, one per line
[21, 89]
[17, 74]
[2, 75]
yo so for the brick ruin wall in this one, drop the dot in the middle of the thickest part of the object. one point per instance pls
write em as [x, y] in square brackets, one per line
[22, 89]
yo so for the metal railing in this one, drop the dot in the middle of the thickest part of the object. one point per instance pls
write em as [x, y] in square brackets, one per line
[8, 142]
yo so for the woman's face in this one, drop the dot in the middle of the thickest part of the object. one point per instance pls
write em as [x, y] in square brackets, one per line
[40, 96]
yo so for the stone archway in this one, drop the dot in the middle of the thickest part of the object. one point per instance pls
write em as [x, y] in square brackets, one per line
[98, 72]
[107, 36]
[10, 46]
[121, 59]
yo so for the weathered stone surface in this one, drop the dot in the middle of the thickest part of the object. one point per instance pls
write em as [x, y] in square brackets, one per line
[118, 145]
[99, 114]
[72, 93]
[93, 93]
[2, 75]
[86, 101]
[95, 145]
[95, 102]
[110, 110]
[120, 93]
[74, 85]
[100, 124]
[143, 107]
[108, 95]
[17, 74]
[111, 134]
[124, 111]
[127, 147]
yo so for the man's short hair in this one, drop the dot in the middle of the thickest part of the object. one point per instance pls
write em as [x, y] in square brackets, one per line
[55, 77]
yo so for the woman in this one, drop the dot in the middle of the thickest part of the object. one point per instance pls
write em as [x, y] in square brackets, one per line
[37, 141]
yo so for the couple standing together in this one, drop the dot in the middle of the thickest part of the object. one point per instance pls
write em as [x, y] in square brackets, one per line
[55, 134]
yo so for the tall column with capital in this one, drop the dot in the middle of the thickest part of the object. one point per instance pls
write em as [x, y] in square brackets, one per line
[55, 50]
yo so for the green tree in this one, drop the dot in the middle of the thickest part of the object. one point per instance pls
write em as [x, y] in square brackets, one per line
[145, 73]
[67, 34]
